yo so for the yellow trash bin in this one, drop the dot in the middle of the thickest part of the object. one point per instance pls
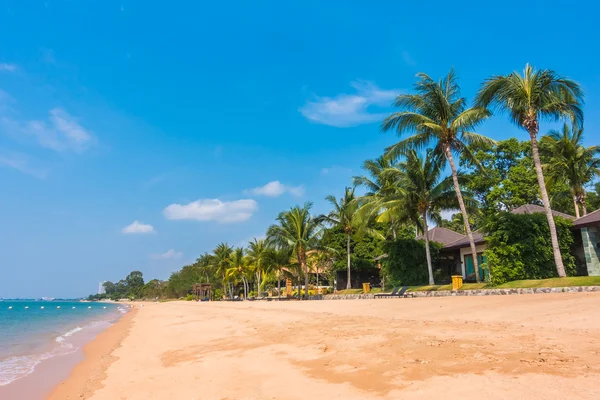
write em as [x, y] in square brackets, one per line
[457, 282]
[366, 287]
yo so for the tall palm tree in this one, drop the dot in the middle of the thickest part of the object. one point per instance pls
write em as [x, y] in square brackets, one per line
[536, 95]
[569, 161]
[299, 230]
[222, 262]
[345, 214]
[257, 259]
[424, 191]
[437, 114]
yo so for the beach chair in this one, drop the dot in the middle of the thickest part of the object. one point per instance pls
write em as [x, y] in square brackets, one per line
[394, 293]
[397, 292]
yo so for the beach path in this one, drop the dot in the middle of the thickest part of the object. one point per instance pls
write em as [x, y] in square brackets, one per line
[497, 347]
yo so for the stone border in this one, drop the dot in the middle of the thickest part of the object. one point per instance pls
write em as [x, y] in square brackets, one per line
[474, 292]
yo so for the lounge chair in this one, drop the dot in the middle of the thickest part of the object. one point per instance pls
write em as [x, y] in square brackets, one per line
[397, 292]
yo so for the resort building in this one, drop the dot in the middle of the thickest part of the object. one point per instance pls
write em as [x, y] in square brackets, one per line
[456, 257]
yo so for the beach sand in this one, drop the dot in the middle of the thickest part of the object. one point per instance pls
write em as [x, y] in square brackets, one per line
[497, 347]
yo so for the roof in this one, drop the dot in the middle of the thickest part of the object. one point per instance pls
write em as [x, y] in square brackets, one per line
[442, 235]
[478, 237]
[592, 218]
[464, 241]
[532, 209]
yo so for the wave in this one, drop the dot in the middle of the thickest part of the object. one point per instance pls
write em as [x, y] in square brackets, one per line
[16, 367]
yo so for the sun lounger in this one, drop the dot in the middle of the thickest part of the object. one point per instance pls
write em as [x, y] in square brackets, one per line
[397, 292]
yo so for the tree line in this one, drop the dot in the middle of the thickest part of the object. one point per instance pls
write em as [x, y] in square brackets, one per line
[406, 189]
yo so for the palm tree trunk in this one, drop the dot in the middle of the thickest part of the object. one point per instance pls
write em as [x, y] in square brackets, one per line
[576, 206]
[560, 268]
[583, 205]
[279, 286]
[305, 268]
[463, 210]
[427, 253]
[348, 284]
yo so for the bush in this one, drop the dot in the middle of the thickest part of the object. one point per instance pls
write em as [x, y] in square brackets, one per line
[190, 297]
[406, 263]
[519, 247]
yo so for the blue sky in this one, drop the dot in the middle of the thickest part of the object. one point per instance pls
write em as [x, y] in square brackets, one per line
[139, 134]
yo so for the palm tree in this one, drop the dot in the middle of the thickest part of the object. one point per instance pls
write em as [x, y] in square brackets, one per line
[379, 188]
[278, 259]
[345, 215]
[299, 230]
[438, 115]
[569, 161]
[256, 258]
[424, 192]
[536, 95]
[238, 269]
[222, 262]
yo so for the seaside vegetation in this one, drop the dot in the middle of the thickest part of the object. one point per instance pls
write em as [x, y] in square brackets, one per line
[439, 165]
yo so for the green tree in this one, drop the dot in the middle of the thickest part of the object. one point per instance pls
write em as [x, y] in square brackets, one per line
[299, 230]
[438, 115]
[279, 259]
[536, 95]
[257, 260]
[134, 284]
[380, 186]
[425, 191]
[594, 198]
[221, 262]
[239, 269]
[570, 162]
[345, 214]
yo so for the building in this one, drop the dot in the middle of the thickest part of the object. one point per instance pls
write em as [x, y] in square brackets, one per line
[101, 289]
[589, 226]
[456, 257]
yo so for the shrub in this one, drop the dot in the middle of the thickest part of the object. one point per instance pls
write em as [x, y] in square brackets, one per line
[406, 263]
[519, 247]
[190, 297]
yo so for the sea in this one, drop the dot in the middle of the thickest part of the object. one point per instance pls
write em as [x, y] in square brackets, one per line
[34, 332]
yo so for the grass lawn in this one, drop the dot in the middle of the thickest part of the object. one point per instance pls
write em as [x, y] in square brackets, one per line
[534, 283]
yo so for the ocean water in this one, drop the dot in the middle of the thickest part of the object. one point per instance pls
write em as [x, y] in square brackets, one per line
[34, 331]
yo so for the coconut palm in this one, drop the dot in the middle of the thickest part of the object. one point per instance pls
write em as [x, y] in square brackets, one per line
[424, 192]
[256, 258]
[345, 214]
[221, 262]
[569, 161]
[279, 259]
[437, 115]
[536, 95]
[299, 230]
[379, 187]
[238, 269]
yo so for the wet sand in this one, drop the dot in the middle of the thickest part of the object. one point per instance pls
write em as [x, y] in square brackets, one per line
[88, 375]
[497, 347]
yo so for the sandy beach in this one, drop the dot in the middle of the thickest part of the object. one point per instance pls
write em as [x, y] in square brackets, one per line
[498, 347]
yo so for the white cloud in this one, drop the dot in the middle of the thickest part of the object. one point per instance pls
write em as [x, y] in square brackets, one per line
[408, 60]
[8, 67]
[61, 132]
[169, 254]
[276, 189]
[212, 210]
[20, 162]
[347, 110]
[138, 227]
